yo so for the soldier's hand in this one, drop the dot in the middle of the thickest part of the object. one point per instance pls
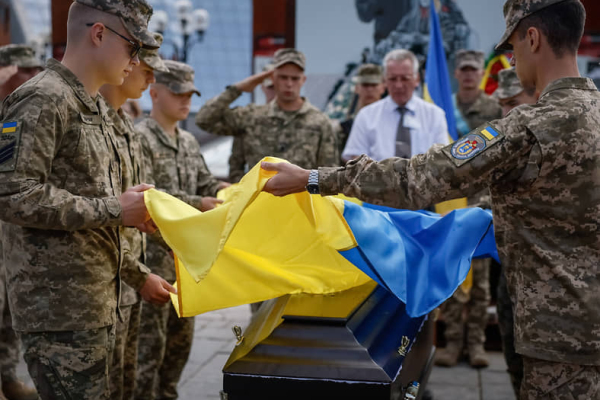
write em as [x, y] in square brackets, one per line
[208, 203]
[290, 178]
[250, 83]
[134, 210]
[7, 72]
[156, 290]
[148, 227]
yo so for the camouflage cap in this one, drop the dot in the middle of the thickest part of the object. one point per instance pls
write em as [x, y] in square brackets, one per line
[179, 78]
[19, 55]
[134, 15]
[515, 11]
[152, 58]
[369, 74]
[470, 58]
[286, 56]
[508, 84]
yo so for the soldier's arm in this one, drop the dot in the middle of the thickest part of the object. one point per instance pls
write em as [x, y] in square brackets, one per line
[366, 9]
[327, 153]
[26, 196]
[216, 117]
[237, 161]
[133, 272]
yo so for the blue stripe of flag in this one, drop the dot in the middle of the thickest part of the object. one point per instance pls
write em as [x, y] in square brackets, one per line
[9, 125]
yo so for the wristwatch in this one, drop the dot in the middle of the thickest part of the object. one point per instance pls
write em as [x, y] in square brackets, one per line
[313, 182]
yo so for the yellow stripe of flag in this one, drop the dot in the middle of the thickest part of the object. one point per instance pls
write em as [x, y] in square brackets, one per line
[487, 134]
[9, 130]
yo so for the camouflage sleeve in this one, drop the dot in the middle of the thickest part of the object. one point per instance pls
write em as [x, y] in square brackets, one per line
[328, 155]
[26, 196]
[133, 272]
[237, 161]
[216, 117]
[443, 173]
[207, 183]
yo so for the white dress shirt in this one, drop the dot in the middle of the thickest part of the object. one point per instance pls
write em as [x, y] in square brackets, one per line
[374, 130]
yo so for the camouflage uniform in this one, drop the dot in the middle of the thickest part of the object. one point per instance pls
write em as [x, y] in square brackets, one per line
[477, 300]
[123, 370]
[23, 57]
[304, 137]
[176, 166]
[59, 185]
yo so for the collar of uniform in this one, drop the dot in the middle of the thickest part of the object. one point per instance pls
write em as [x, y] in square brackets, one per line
[161, 134]
[74, 83]
[391, 105]
[569, 83]
[276, 111]
[116, 119]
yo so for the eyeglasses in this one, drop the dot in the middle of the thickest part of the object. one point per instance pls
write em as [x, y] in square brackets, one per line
[135, 47]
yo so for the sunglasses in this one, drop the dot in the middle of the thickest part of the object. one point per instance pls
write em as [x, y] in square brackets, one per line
[135, 47]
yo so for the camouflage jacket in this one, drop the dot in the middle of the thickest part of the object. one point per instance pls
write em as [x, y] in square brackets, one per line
[237, 161]
[542, 169]
[129, 146]
[304, 137]
[175, 166]
[59, 188]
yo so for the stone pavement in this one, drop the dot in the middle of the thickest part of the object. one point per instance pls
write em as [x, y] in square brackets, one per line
[214, 340]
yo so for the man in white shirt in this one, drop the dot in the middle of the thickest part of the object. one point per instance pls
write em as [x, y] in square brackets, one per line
[402, 124]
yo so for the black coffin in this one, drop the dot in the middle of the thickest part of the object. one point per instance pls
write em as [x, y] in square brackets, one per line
[373, 352]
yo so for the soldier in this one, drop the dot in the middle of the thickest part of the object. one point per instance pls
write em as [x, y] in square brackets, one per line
[64, 206]
[472, 108]
[541, 163]
[510, 94]
[369, 88]
[23, 66]
[237, 160]
[124, 362]
[174, 164]
[289, 127]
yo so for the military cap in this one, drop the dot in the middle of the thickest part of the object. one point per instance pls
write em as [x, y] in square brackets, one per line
[152, 58]
[286, 56]
[268, 82]
[19, 55]
[515, 11]
[508, 84]
[134, 15]
[369, 73]
[470, 58]
[179, 78]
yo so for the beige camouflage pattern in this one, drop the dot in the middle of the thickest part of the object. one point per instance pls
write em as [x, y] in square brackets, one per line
[546, 380]
[179, 78]
[165, 344]
[123, 370]
[470, 58]
[286, 56]
[369, 74]
[62, 239]
[152, 57]
[482, 110]
[70, 365]
[9, 342]
[515, 11]
[134, 14]
[542, 170]
[304, 137]
[508, 84]
[20, 55]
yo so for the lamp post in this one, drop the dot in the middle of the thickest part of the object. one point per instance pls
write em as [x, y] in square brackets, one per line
[193, 25]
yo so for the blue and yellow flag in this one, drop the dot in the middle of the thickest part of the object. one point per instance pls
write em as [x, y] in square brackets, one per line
[257, 247]
[437, 81]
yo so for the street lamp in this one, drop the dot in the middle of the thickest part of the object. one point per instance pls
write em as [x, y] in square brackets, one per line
[193, 24]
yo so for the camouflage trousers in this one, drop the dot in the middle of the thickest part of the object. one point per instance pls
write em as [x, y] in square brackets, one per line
[9, 341]
[123, 369]
[506, 323]
[476, 302]
[70, 365]
[546, 380]
[164, 347]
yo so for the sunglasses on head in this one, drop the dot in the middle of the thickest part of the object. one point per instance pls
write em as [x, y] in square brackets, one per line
[135, 47]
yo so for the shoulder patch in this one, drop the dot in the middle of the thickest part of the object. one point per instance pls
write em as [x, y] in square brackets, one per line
[10, 136]
[473, 144]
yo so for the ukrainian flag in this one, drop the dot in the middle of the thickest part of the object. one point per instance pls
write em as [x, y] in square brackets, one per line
[9, 127]
[257, 247]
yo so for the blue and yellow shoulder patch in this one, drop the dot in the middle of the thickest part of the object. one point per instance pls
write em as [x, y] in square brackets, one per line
[472, 145]
[10, 136]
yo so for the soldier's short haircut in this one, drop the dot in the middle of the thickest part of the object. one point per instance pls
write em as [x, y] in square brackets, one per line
[562, 24]
[401, 55]
[80, 15]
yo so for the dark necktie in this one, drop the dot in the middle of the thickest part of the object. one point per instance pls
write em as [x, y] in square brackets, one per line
[403, 136]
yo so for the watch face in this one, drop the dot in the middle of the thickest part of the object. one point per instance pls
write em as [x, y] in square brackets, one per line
[312, 188]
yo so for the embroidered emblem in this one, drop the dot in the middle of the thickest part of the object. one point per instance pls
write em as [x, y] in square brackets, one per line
[468, 147]
[9, 144]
